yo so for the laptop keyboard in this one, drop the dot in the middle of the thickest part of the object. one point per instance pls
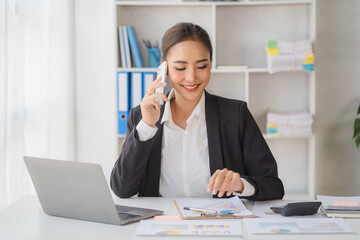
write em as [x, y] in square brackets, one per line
[127, 216]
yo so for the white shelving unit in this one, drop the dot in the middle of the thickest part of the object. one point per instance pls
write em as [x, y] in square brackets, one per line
[238, 31]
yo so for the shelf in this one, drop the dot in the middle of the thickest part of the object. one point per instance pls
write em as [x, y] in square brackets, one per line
[209, 3]
[213, 70]
[239, 67]
[137, 69]
[268, 136]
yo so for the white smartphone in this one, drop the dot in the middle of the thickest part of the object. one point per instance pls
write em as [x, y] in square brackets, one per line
[161, 71]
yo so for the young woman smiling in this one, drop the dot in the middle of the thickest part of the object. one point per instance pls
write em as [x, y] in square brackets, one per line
[196, 144]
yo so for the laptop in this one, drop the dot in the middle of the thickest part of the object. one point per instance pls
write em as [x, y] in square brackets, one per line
[79, 191]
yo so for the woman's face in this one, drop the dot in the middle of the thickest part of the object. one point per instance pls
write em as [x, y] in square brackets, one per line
[189, 69]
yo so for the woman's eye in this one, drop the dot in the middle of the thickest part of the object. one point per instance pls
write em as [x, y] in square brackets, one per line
[203, 67]
[179, 69]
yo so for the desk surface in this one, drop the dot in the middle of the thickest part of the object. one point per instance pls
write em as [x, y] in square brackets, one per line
[25, 219]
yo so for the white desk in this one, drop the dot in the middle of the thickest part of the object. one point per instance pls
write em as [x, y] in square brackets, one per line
[25, 219]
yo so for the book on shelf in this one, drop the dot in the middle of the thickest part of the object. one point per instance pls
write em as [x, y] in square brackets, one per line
[135, 47]
[346, 207]
[124, 47]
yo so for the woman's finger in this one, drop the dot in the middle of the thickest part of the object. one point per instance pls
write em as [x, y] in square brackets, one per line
[219, 179]
[234, 180]
[154, 85]
[226, 183]
[210, 186]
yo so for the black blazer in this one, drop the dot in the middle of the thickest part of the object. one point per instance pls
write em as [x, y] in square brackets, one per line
[234, 142]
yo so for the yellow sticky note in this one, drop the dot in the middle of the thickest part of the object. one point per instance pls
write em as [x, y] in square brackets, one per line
[346, 203]
[273, 51]
[309, 60]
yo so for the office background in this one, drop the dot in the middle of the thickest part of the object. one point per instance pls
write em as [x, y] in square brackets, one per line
[68, 97]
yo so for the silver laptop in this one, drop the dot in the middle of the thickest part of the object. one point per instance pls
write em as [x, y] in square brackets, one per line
[79, 191]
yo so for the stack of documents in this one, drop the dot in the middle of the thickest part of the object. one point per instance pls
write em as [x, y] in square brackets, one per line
[288, 56]
[347, 207]
[289, 124]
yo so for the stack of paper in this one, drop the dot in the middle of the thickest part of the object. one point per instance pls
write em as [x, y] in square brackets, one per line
[289, 124]
[347, 207]
[287, 56]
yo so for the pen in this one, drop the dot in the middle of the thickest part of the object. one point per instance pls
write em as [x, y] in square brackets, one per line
[201, 210]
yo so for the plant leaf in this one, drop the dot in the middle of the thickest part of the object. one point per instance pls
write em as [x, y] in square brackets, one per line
[356, 123]
[356, 132]
[357, 141]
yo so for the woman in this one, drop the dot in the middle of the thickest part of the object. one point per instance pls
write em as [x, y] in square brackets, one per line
[196, 144]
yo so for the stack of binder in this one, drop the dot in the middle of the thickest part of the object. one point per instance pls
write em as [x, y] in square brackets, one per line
[129, 47]
[289, 124]
[289, 56]
[131, 88]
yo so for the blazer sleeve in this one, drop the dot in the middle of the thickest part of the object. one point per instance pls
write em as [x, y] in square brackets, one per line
[260, 165]
[130, 168]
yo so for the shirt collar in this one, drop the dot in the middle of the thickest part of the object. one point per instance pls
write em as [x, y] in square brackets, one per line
[199, 110]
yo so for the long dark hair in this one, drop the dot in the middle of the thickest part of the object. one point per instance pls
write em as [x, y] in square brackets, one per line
[181, 32]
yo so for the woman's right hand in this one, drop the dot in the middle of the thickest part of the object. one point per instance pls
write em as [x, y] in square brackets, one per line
[150, 109]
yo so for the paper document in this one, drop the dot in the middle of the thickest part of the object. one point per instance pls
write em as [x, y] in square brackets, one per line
[296, 225]
[190, 227]
[214, 207]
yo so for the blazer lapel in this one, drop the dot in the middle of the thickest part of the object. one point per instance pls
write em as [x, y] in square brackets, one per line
[213, 133]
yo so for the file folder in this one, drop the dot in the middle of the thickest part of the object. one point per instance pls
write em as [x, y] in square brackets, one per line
[123, 101]
[149, 77]
[137, 85]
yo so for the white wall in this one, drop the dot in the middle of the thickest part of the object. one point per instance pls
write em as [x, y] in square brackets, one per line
[337, 63]
[95, 43]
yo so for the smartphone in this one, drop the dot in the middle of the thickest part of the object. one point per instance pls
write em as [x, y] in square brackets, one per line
[161, 71]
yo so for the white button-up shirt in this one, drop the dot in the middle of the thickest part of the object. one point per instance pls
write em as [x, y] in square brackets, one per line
[185, 168]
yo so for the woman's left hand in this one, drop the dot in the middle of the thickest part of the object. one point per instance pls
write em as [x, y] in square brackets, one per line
[225, 181]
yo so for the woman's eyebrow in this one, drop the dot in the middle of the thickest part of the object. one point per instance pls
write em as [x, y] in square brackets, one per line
[198, 61]
[202, 60]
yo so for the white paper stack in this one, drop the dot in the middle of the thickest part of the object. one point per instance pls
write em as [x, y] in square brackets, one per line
[288, 56]
[289, 124]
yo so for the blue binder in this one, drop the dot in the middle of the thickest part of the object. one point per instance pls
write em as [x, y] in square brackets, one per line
[137, 88]
[148, 78]
[123, 101]
[135, 47]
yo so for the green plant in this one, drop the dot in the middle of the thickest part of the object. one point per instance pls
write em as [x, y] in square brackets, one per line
[357, 128]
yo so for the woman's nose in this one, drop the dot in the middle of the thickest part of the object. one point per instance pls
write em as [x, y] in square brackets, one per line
[190, 74]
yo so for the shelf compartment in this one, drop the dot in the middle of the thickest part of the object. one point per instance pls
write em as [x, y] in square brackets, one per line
[144, 18]
[241, 38]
